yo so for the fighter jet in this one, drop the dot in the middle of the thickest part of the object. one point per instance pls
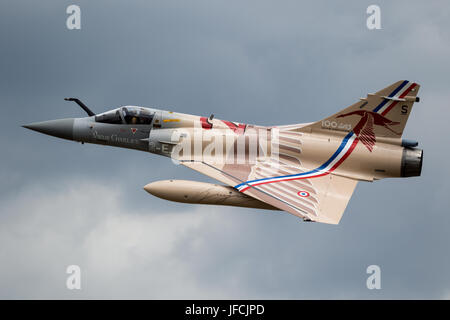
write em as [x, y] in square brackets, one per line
[309, 170]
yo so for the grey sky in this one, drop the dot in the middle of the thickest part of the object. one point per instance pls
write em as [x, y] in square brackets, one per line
[262, 62]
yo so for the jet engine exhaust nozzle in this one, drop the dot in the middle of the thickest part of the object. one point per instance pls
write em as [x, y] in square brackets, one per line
[411, 162]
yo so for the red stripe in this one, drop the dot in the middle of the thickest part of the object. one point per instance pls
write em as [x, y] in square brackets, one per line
[237, 129]
[337, 164]
[402, 96]
[205, 123]
[296, 178]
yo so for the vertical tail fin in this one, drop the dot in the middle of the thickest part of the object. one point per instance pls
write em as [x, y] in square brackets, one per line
[380, 114]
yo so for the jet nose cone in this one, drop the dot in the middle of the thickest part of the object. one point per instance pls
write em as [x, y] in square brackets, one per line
[61, 128]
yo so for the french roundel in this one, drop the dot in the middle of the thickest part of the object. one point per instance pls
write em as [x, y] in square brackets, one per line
[303, 194]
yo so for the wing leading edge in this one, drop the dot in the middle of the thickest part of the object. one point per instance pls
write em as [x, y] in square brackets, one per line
[320, 199]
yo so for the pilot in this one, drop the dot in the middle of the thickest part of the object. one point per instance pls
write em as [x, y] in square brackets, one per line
[133, 120]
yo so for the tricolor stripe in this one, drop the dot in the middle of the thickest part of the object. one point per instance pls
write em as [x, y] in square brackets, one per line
[393, 103]
[400, 92]
[385, 101]
[346, 147]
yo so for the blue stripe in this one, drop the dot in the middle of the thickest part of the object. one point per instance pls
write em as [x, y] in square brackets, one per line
[391, 95]
[323, 166]
[343, 143]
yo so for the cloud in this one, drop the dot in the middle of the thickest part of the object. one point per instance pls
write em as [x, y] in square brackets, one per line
[261, 62]
[188, 252]
[122, 254]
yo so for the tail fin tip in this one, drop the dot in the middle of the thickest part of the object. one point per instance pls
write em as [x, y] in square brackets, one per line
[385, 112]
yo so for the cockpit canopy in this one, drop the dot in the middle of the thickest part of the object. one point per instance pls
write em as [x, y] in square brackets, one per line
[126, 115]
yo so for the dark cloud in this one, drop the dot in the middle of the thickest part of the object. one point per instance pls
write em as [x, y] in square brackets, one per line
[261, 62]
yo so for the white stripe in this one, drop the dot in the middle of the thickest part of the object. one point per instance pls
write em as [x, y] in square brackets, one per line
[341, 154]
[294, 197]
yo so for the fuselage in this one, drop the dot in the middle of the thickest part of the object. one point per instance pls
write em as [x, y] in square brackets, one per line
[194, 138]
[309, 170]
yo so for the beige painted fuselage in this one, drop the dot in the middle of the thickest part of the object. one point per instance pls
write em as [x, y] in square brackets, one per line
[309, 170]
